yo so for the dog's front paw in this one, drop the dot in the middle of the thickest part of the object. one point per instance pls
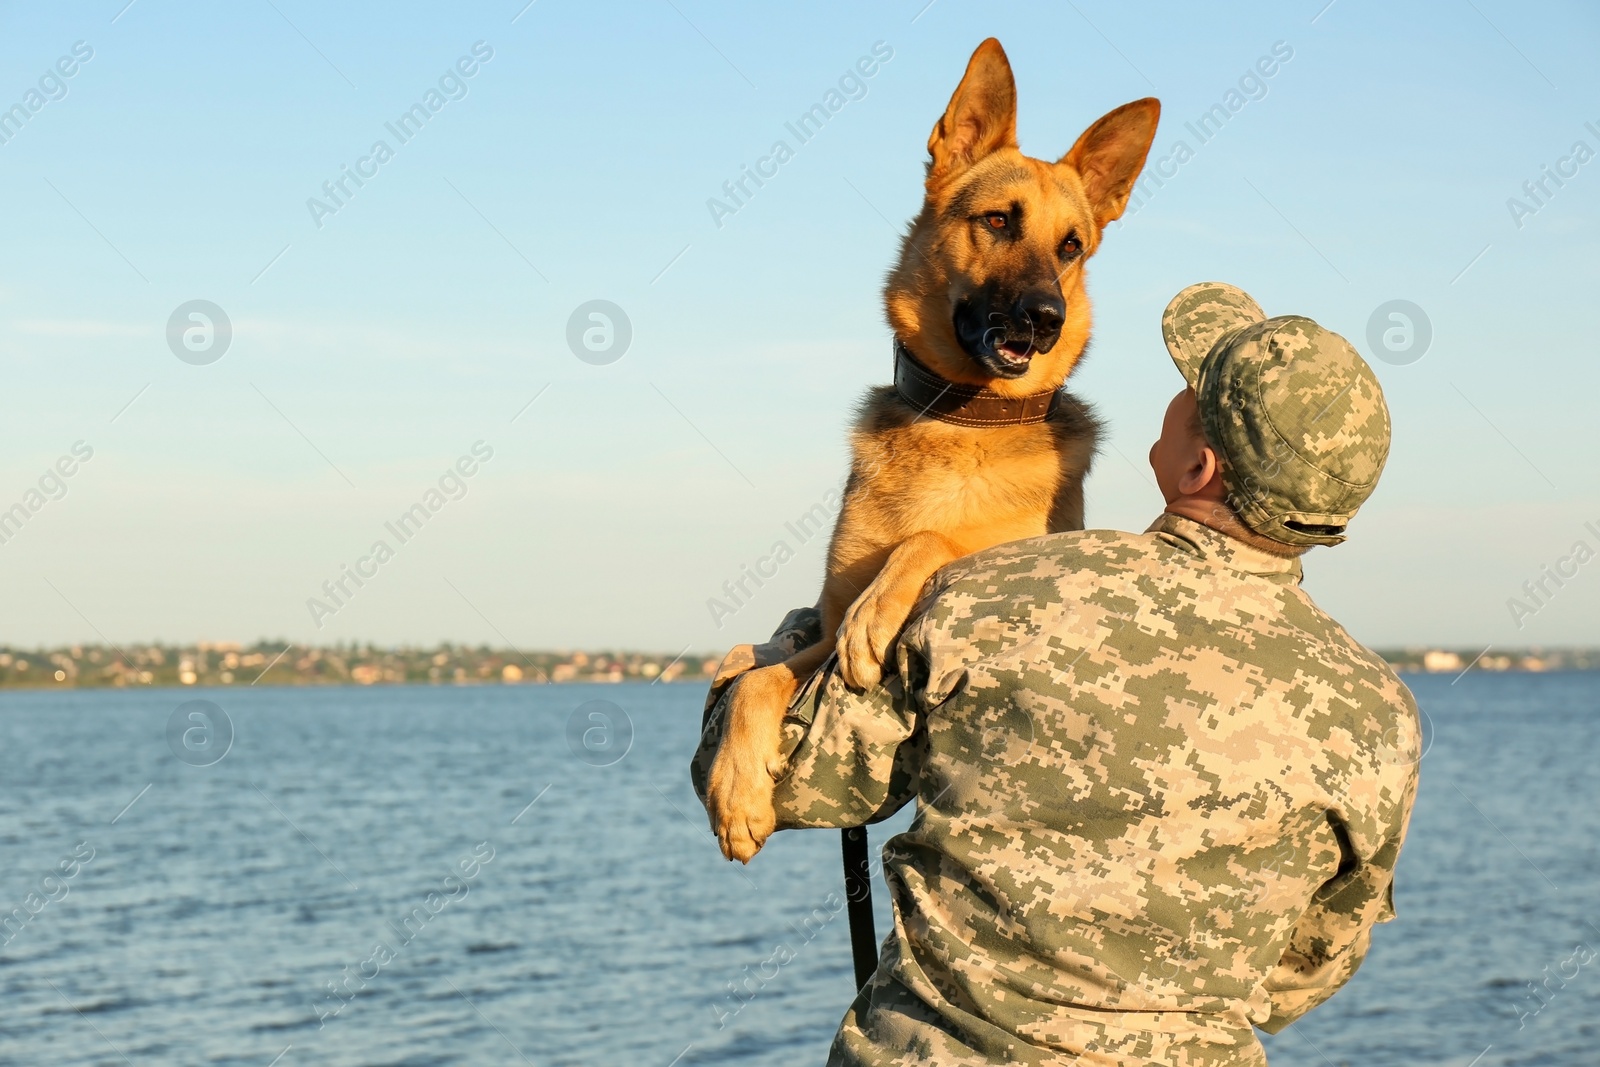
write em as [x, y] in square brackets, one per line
[739, 801]
[858, 666]
[869, 628]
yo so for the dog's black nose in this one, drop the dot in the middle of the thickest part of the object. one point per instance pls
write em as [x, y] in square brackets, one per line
[1045, 312]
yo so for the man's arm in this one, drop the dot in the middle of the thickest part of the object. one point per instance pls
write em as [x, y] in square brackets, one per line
[852, 757]
[856, 758]
[1332, 936]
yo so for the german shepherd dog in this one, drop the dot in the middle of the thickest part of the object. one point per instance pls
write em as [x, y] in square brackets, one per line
[975, 445]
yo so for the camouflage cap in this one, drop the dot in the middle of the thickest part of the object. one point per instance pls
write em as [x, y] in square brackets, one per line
[1296, 413]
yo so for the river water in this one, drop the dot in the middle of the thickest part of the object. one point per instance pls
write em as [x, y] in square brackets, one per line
[509, 875]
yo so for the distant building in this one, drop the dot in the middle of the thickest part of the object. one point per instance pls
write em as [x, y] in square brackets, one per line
[1436, 661]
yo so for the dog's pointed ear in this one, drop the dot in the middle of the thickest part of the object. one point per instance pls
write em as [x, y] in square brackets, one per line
[1110, 155]
[981, 118]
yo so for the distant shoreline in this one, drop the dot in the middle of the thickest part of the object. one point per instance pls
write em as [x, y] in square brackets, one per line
[224, 665]
[676, 683]
[63, 687]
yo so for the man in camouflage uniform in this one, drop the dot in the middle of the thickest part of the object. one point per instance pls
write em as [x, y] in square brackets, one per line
[1160, 795]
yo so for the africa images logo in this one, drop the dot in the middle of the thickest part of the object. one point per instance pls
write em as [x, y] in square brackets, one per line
[852, 85]
[452, 85]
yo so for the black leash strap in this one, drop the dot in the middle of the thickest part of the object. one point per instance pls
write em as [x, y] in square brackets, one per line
[857, 864]
[858, 898]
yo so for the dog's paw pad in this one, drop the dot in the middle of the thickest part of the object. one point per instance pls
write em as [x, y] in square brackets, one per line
[741, 836]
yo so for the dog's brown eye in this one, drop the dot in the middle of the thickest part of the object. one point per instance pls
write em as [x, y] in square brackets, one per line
[995, 221]
[1071, 247]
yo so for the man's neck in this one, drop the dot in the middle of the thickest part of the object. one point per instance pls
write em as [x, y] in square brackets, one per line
[1220, 517]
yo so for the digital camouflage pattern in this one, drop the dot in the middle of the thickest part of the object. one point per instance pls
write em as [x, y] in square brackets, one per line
[1200, 316]
[1159, 795]
[1296, 413]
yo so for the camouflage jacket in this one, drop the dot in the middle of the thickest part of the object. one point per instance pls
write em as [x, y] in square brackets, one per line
[1159, 798]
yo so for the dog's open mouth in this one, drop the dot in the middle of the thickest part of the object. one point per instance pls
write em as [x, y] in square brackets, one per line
[1002, 356]
[1014, 353]
[1004, 346]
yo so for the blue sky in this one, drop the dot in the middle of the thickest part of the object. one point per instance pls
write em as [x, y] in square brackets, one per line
[370, 353]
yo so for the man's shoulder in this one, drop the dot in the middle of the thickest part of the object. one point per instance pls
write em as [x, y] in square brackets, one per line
[1328, 649]
[1272, 622]
[1077, 566]
[1057, 554]
[999, 596]
[1374, 695]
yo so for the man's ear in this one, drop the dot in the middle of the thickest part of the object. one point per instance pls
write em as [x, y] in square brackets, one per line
[981, 118]
[1110, 155]
[1203, 476]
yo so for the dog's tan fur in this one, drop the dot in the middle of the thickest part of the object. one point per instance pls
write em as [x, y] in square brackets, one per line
[922, 493]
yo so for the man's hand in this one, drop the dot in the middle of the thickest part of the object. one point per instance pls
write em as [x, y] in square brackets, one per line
[800, 629]
[740, 658]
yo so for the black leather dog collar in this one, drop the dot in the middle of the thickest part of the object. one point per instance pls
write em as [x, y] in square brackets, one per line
[965, 405]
